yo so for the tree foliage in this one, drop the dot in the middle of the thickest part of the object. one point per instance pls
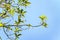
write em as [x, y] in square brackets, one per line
[9, 9]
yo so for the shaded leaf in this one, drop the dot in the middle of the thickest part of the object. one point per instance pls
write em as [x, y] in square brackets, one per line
[29, 25]
[27, 3]
[19, 34]
[44, 24]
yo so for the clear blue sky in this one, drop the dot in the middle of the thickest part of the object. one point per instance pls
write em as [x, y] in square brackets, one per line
[51, 8]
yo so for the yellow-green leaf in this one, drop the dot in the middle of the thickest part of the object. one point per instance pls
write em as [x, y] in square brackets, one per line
[27, 3]
[44, 24]
[16, 29]
[11, 11]
[29, 25]
[43, 17]
[1, 25]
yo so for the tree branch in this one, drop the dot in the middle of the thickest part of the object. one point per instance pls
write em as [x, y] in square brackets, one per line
[19, 27]
[6, 33]
[24, 25]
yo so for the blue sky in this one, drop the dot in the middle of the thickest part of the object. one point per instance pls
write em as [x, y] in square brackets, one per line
[51, 8]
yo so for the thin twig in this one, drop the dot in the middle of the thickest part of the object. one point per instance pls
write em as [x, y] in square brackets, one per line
[6, 33]
[24, 25]
[19, 27]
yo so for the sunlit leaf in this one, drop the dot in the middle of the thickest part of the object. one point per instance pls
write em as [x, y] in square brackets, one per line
[43, 17]
[11, 11]
[1, 25]
[16, 29]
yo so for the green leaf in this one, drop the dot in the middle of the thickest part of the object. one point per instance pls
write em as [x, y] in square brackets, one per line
[11, 11]
[29, 25]
[44, 24]
[19, 19]
[19, 34]
[3, 14]
[16, 22]
[43, 17]
[27, 3]
[16, 29]
[1, 25]
[9, 28]
[23, 12]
